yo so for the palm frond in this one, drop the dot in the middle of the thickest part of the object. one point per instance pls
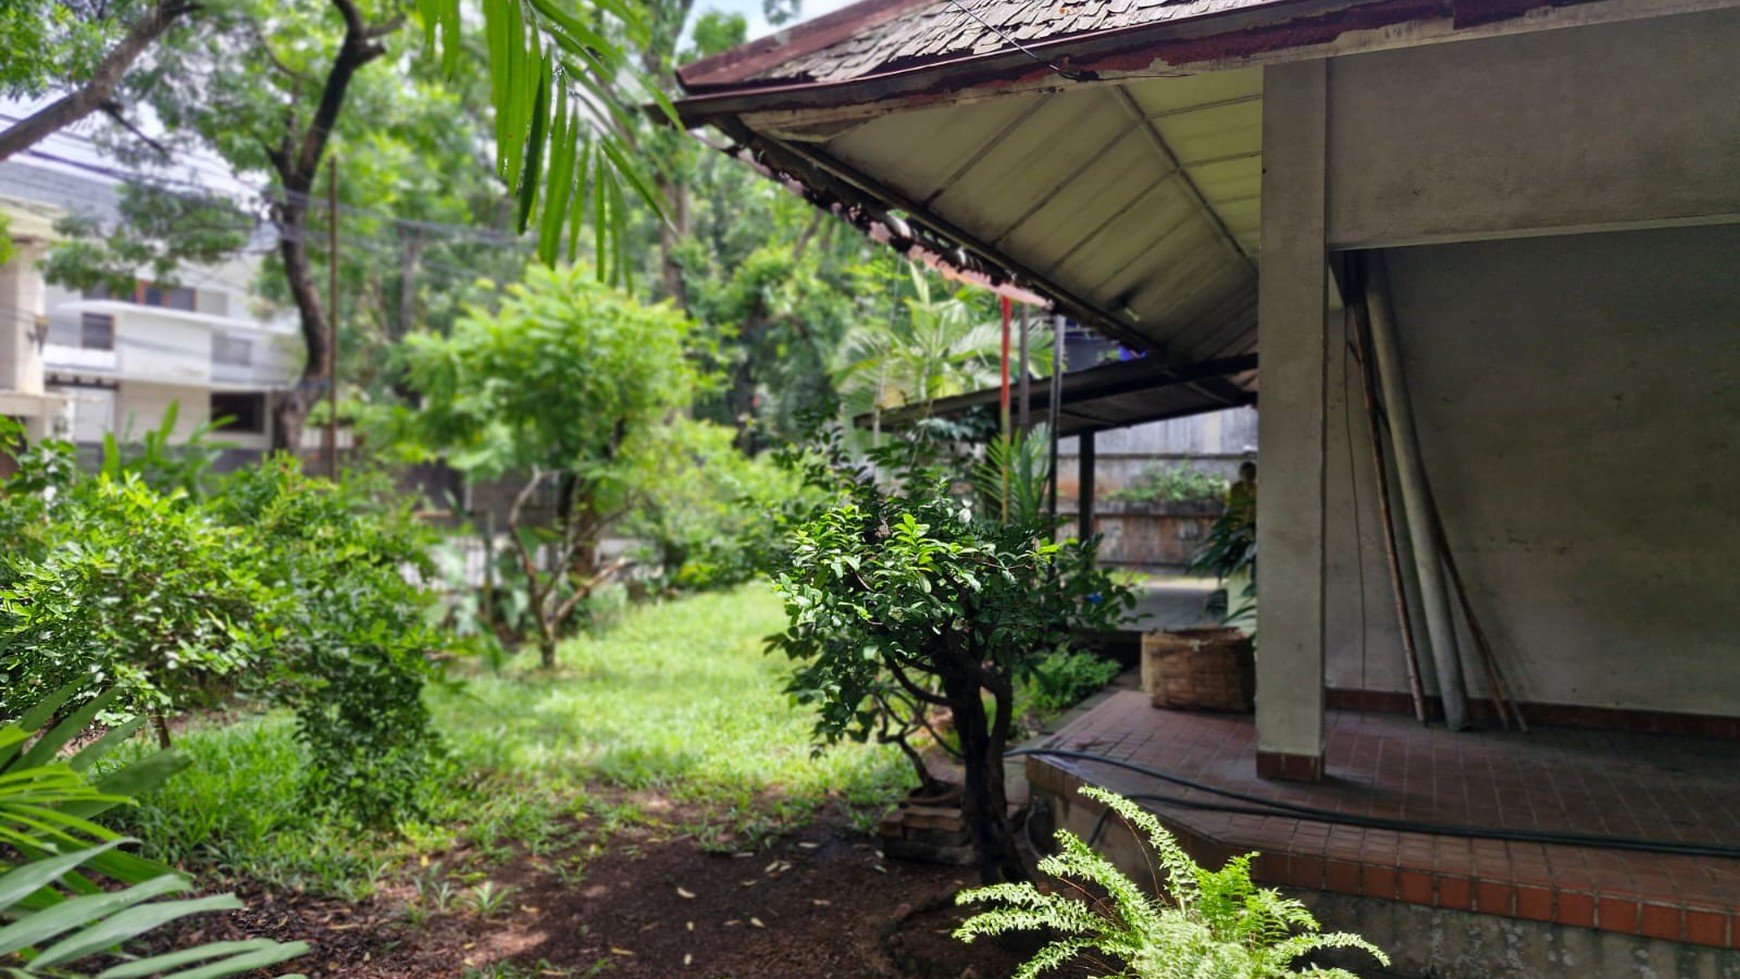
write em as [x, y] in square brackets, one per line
[54, 917]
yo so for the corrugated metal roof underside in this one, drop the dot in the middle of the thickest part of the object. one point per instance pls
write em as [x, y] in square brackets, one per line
[1140, 199]
[1096, 399]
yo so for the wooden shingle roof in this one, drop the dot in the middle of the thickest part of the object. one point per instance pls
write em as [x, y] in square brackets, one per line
[942, 29]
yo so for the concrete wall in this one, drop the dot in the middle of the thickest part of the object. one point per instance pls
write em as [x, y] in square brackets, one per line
[1577, 386]
[1578, 400]
[1581, 128]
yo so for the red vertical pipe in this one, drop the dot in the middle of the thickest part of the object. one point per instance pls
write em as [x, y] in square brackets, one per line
[1008, 309]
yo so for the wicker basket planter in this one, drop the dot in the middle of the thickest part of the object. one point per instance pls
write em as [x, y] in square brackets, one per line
[1200, 669]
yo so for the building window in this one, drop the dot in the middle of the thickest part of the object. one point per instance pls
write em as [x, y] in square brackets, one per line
[96, 331]
[167, 297]
[245, 411]
[232, 351]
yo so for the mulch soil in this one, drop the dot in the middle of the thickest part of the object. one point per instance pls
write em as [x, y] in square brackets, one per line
[819, 902]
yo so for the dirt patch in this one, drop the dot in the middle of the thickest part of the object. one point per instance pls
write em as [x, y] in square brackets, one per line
[821, 902]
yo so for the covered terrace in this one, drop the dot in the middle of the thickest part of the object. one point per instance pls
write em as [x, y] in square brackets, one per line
[1538, 199]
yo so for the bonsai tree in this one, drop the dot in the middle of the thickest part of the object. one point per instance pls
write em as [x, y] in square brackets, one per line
[906, 599]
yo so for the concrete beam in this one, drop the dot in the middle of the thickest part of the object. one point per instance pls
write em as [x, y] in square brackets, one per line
[1292, 324]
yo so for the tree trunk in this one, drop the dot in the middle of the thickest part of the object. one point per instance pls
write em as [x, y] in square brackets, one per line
[670, 233]
[984, 800]
[290, 416]
[293, 407]
[297, 161]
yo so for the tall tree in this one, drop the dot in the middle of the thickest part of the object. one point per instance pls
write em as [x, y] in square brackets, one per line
[568, 385]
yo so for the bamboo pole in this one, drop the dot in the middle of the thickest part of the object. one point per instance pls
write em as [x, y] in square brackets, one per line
[1501, 699]
[1404, 439]
[1410, 652]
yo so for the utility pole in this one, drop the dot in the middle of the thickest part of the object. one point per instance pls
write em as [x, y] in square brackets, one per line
[332, 320]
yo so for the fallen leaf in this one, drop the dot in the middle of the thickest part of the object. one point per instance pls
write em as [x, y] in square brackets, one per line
[620, 951]
[527, 908]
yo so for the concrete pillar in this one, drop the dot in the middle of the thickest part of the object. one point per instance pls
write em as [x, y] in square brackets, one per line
[1292, 326]
[21, 311]
[1084, 525]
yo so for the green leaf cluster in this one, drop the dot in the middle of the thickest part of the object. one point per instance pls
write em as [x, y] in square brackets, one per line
[565, 376]
[1209, 924]
[1172, 484]
[45, 42]
[571, 384]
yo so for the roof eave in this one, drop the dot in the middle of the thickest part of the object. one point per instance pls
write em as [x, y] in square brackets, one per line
[1194, 44]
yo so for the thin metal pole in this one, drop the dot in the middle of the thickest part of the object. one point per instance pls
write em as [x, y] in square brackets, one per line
[1026, 393]
[1405, 440]
[1003, 404]
[332, 320]
[1055, 405]
[1084, 494]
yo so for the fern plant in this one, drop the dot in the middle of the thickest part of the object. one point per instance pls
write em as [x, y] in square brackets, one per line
[1211, 924]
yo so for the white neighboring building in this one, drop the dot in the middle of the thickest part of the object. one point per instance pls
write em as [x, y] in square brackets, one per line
[103, 364]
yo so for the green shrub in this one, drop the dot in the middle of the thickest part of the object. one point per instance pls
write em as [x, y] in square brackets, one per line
[1173, 484]
[123, 586]
[708, 511]
[277, 586]
[1210, 924]
[566, 384]
[348, 633]
[1063, 679]
[902, 601]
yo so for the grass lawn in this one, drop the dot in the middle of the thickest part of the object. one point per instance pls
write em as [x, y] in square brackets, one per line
[672, 714]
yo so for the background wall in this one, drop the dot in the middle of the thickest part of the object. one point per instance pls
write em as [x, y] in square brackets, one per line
[1578, 400]
[1577, 383]
[1589, 127]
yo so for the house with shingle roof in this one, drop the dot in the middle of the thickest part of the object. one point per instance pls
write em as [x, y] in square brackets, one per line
[1474, 262]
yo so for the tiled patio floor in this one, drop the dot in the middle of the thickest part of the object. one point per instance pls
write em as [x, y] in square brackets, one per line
[1586, 782]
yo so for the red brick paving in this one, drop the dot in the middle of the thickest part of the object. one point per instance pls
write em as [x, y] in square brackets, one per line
[1604, 783]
